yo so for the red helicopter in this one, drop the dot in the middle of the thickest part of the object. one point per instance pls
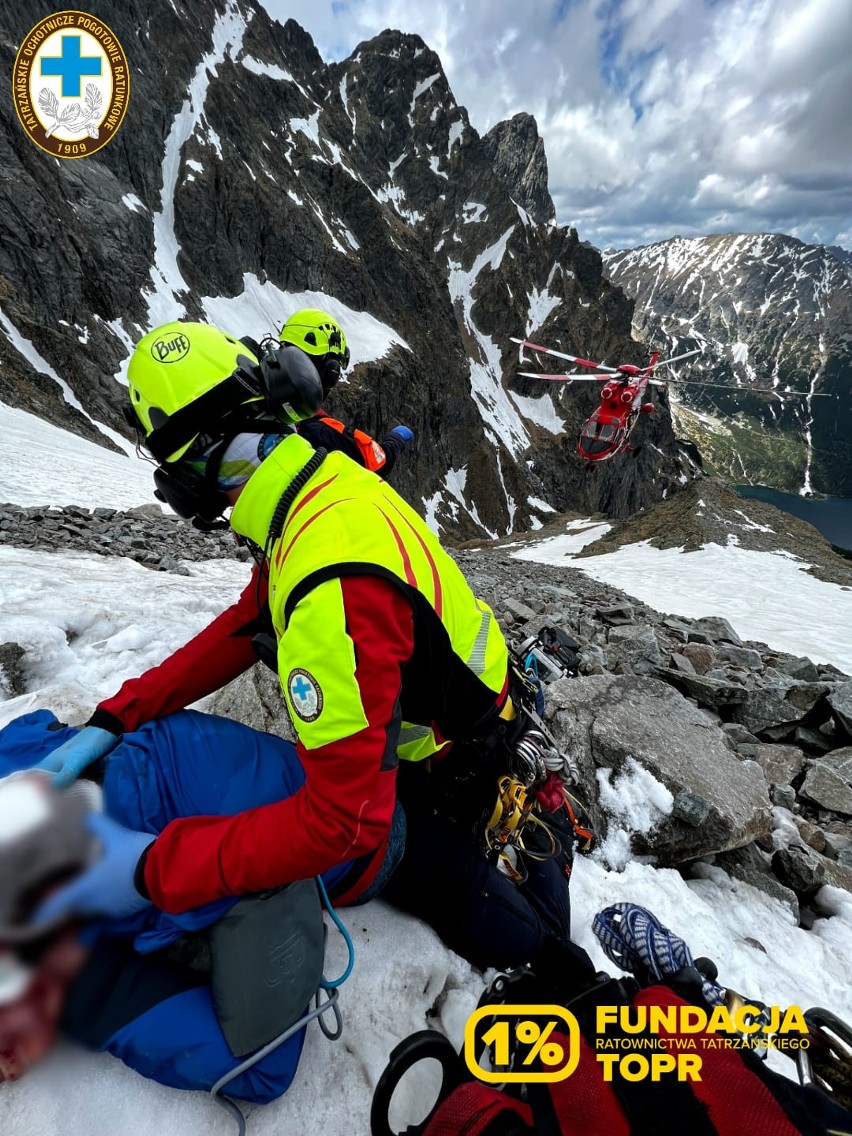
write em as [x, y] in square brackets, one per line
[606, 432]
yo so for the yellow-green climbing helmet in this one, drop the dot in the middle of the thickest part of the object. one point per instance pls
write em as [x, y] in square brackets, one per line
[174, 365]
[317, 333]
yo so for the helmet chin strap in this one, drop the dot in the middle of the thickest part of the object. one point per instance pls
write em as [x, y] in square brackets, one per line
[211, 482]
[212, 488]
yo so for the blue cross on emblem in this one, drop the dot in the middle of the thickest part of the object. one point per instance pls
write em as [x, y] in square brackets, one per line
[71, 65]
[305, 694]
[301, 689]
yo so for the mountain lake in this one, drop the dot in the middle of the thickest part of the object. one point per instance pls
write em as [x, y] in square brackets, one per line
[832, 516]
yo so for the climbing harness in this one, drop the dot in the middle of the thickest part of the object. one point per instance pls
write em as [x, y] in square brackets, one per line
[537, 767]
[507, 833]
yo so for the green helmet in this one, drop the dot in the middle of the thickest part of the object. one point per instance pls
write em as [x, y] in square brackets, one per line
[190, 380]
[174, 365]
[319, 335]
[194, 390]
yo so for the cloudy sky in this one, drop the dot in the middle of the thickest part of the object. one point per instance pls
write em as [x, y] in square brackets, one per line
[659, 116]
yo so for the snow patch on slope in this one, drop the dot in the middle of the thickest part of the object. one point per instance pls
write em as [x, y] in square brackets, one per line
[503, 424]
[752, 590]
[29, 352]
[262, 308]
[540, 411]
[164, 302]
[44, 466]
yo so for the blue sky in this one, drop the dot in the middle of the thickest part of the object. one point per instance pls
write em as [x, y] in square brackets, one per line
[659, 117]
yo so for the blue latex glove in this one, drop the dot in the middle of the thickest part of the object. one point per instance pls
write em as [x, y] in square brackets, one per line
[69, 760]
[107, 887]
[403, 432]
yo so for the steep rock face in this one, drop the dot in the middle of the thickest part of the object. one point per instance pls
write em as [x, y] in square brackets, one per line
[250, 178]
[767, 311]
[518, 159]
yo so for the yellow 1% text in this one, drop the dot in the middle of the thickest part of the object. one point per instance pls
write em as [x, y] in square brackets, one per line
[522, 1043]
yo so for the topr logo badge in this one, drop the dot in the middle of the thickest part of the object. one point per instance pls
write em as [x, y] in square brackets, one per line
[70, 84]
[305, 694]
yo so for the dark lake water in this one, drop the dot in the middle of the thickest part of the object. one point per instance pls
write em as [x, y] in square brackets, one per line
[832, 516]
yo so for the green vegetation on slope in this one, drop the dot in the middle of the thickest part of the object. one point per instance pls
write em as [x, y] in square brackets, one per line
[743, 451]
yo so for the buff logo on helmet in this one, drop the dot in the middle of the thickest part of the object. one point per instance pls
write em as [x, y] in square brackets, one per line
[305, 693]
[170, 349]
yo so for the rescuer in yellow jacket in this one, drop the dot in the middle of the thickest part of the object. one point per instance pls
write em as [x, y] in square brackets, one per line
[385, 658]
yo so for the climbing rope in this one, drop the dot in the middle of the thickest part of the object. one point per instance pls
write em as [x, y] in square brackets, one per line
[636, 941]
[322, 1005]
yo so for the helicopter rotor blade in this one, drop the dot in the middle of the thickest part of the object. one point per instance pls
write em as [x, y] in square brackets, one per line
[740, 390]
[570, 377]
[677, 358]
[563, 355]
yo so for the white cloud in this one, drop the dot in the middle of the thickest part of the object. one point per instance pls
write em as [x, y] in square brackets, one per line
[648, 105]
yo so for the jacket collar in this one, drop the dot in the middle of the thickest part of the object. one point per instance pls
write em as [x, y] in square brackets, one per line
[252, 514]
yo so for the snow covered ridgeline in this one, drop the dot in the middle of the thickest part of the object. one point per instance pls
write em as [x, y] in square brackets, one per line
[767, 311]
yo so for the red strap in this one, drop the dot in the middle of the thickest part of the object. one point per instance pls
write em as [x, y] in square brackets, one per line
[472, 1108]
[737, 1099]
[372, 454]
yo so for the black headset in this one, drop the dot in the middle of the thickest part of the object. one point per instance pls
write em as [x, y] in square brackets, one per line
[330, 371]
[290, 387]
[331, 365]
[334, 363]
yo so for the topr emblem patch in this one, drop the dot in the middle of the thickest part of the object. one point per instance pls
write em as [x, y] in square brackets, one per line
[305, 694]
[71, 84]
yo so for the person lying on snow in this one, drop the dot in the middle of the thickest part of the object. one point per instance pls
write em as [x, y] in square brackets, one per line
[396, 678]
[139, 982]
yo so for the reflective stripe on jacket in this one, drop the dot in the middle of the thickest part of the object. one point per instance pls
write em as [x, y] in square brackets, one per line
[345, 521]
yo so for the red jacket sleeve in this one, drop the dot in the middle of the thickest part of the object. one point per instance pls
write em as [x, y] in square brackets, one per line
[216, 655]
[345, 807]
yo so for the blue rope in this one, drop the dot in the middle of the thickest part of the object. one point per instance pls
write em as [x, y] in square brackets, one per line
[636, 941]
[329, 983]
[531, 670]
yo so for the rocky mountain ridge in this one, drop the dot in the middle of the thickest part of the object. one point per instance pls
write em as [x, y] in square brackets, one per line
[766, 311]
[747, 751]
[707, 512]
[251, 177]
